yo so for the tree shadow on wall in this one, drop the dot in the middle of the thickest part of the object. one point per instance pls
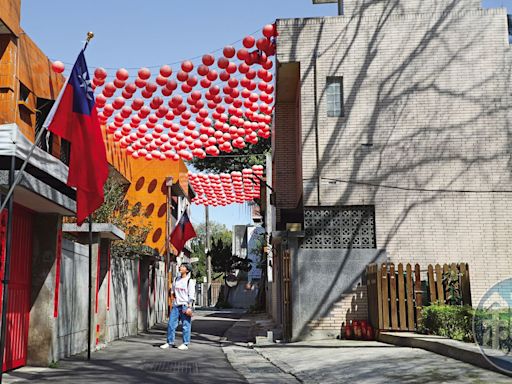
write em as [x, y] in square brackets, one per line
[417, 112]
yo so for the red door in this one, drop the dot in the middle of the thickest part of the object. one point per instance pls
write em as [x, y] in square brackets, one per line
[18, 311]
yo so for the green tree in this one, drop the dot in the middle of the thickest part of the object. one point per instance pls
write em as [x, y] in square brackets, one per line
[242, 158]
[223, 260]
[115, 210]
[217, 231]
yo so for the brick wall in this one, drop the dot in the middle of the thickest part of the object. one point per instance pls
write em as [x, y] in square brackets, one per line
[350, 306]
[286, 184]
[427, 112]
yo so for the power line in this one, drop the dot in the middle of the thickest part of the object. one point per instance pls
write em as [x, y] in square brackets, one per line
[356, 182]
[175, 62]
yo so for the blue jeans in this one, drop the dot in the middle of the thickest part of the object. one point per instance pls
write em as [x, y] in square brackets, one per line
[177, 314]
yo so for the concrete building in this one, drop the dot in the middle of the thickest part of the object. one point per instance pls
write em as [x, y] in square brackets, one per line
[48, 288]
[397, 117]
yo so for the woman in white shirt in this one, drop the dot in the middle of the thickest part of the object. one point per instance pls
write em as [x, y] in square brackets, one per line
[184, 291]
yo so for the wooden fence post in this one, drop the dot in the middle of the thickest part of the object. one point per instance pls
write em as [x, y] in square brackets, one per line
[401, 298]
[418, 293]
[439, 284]
[410, 302]
[385, 303]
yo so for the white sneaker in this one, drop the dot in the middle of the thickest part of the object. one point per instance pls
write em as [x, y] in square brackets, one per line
[165, 346]
[183, 347]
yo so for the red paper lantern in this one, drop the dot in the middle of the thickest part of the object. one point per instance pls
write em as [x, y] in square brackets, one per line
[165, 71]
[144, 73]
[122, 74]
[208, 60]
[192, 81]
[269, 30]
[229, 51]
[248, 42]
[187, 66]
[140, 83]
[100, 73]
[186, 88]
[242, 54]
[202, 70]
[231, 68]
[224, 76]
[118, 103]
[161, 80]
[212, 75]
[182, 76]
[263, 44]
[58, 66]
[243, 68]
[222, 62]
[268, 64]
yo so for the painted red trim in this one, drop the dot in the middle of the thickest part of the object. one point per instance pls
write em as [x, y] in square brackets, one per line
[57, 274]
[98, 265]
[108, 285]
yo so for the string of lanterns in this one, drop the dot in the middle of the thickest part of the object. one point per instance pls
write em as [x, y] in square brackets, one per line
[195, 111]
[226, 188]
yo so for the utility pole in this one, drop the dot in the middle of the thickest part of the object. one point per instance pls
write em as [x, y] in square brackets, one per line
[208, 257]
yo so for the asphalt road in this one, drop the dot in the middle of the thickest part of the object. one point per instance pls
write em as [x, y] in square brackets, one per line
[140, 360]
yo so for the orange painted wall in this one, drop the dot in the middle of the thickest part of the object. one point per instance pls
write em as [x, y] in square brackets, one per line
[148, 188]
[10, 11]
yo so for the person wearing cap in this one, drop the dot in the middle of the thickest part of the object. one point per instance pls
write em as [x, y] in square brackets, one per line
[183, 291]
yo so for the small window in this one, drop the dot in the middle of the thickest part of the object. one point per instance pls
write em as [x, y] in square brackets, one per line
[24, 93]
[335, 97]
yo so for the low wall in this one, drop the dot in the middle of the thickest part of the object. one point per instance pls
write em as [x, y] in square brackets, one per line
[326, 289]
[129, 298]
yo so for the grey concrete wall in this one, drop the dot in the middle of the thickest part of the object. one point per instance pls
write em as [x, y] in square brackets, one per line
[244, 294]
[72, 324]
[320, 278]
[122, 318]
[42, 326]
[427, 116]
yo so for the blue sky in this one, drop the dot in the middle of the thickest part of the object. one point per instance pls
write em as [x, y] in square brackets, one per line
[151, 33]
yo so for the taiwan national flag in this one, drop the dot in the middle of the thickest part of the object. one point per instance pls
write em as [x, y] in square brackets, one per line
[74, 118]
[183, 232]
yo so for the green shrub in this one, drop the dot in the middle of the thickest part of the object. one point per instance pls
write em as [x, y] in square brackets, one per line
[455, 322]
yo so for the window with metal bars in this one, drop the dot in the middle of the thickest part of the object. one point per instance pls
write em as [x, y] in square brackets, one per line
[334, 96]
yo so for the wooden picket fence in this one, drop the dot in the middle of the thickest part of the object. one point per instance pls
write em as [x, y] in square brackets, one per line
[396, 295]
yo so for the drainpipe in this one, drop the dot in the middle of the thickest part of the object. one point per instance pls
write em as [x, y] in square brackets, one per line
[317, 144]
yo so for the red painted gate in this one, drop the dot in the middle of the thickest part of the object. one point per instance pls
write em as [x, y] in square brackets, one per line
[15, 354]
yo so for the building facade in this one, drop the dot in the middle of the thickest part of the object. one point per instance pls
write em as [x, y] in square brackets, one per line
[397, 114]
[47, 306]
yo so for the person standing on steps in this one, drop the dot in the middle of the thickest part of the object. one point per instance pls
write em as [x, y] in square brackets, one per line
[183, 291]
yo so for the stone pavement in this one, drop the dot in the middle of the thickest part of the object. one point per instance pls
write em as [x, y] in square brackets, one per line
[345, 361]
[139, 359]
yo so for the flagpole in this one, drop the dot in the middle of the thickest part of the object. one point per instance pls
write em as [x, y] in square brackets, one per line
[89, 328]
[90, 35]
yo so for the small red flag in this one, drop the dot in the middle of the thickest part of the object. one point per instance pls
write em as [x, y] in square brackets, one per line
[74, 118]
[183, 232]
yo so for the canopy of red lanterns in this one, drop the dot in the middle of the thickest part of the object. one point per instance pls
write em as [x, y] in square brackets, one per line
[197, 110]
[226, 188]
